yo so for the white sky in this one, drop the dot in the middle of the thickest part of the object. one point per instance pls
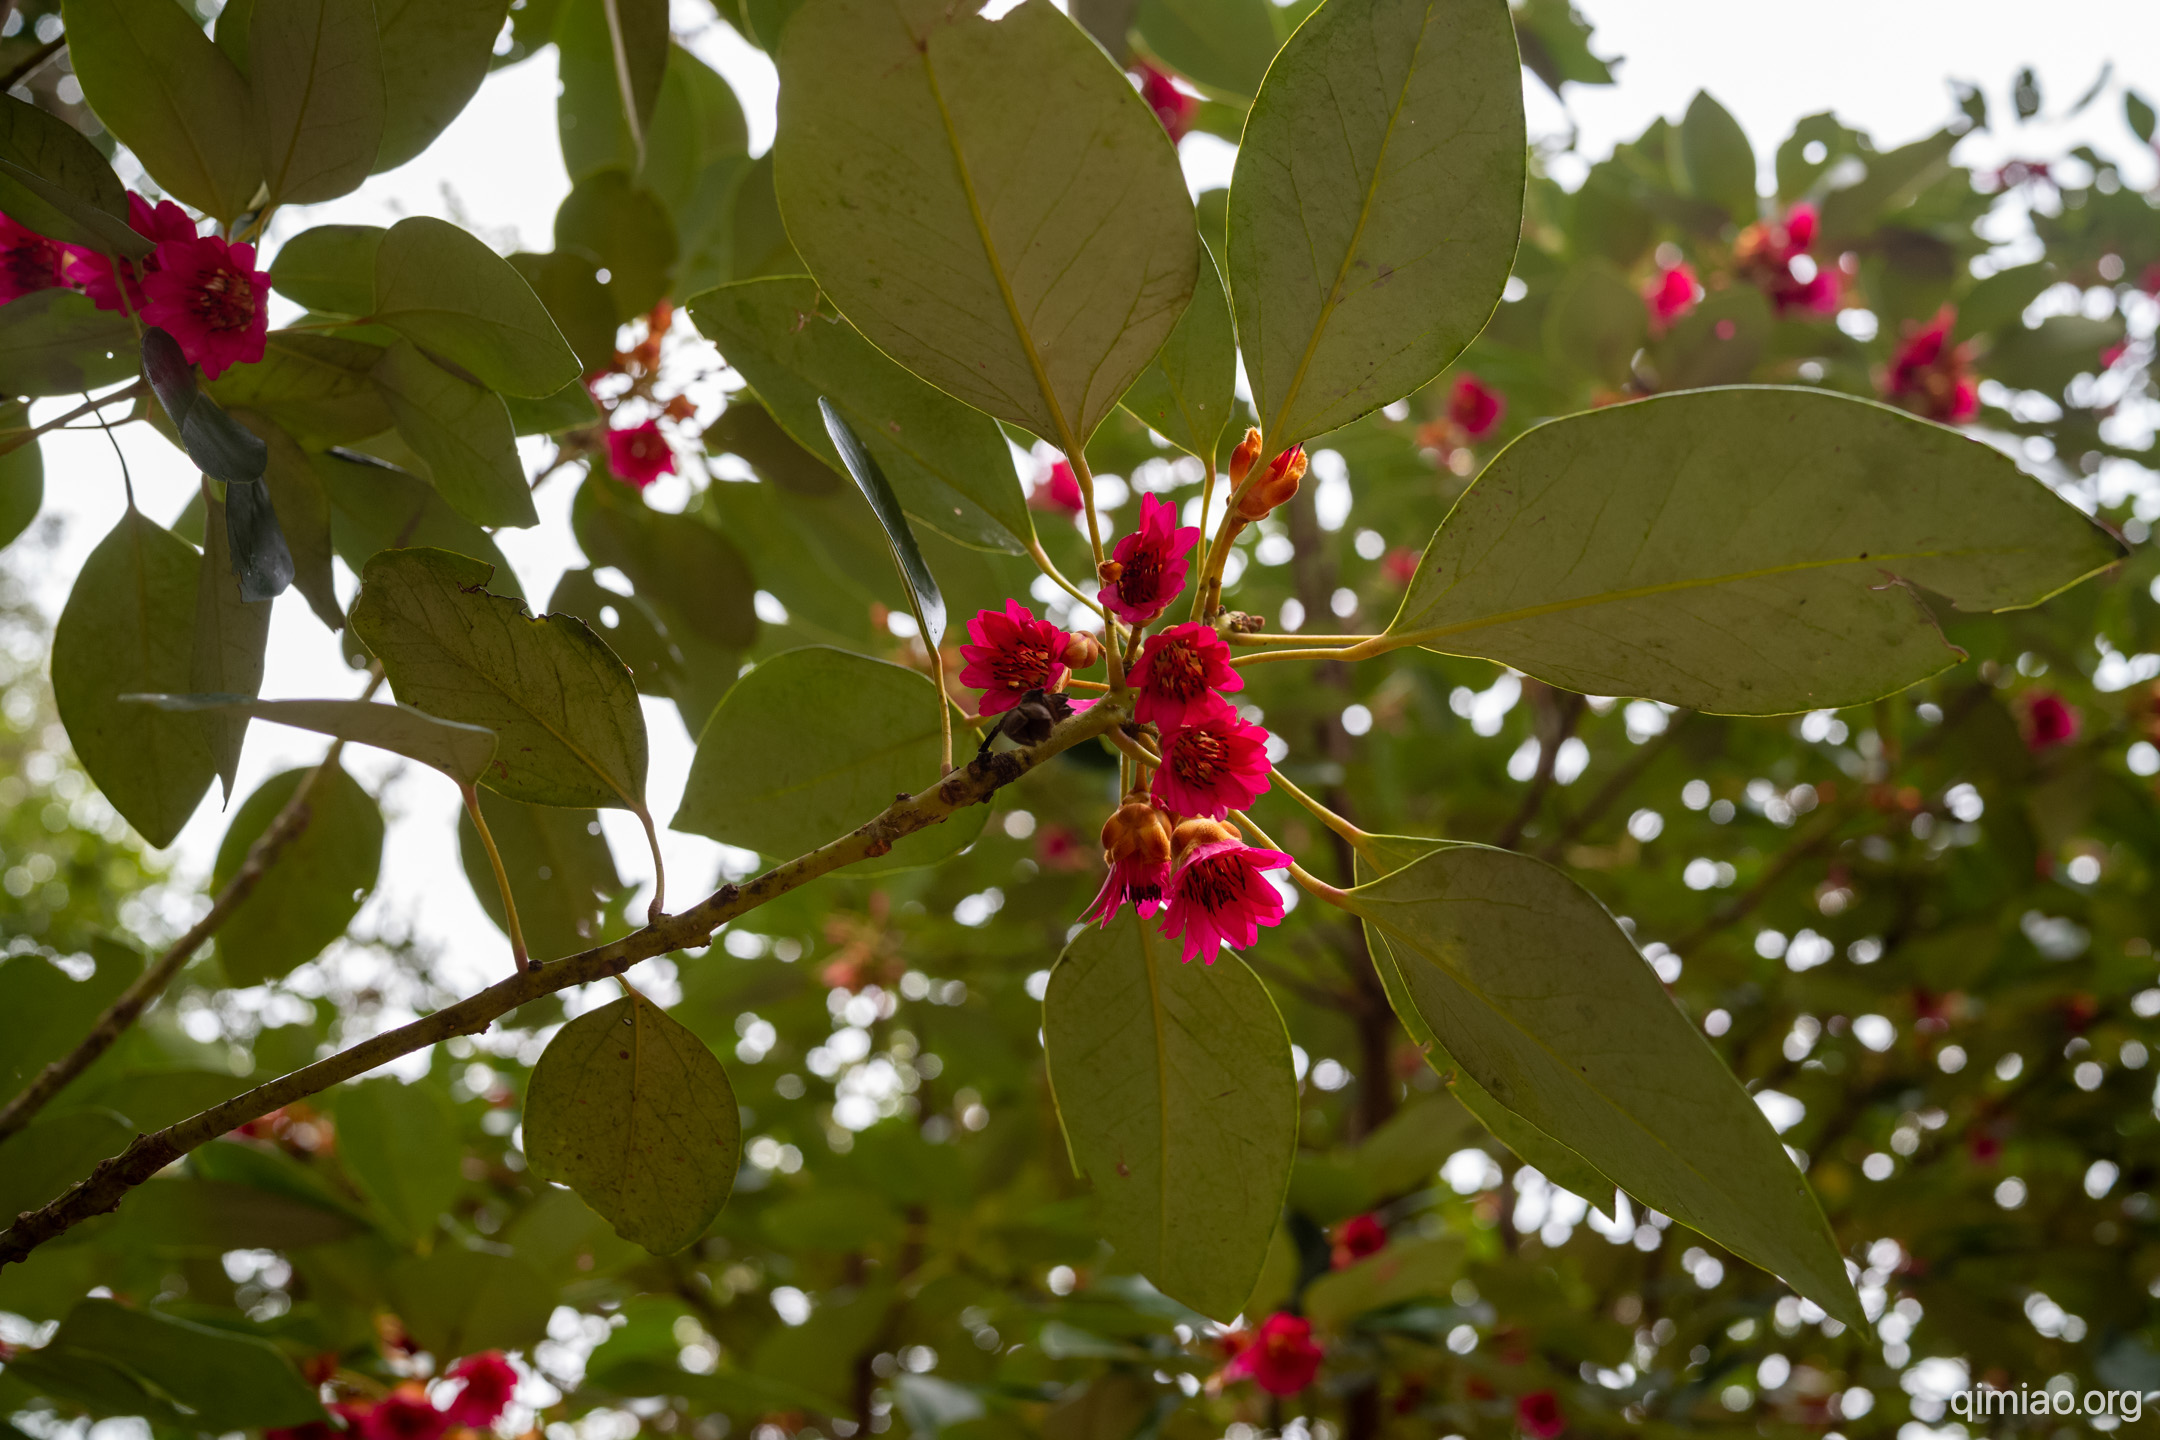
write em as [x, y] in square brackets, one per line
[1881, 64]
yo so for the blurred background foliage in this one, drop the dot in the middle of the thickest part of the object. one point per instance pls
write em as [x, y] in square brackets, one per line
[1920, 931]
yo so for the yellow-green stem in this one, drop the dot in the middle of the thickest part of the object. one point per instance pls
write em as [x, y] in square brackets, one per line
[1357, 839]
[502, 878]
[1305, 878]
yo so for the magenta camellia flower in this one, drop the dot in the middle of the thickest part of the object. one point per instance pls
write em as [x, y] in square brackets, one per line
[1059, 490]
[639, 454]
[209, 296]
[1013, 653]
[1146, 569]
[2049, 721]
[94, 274]
[1218, 893]
[1212, 764]
[29, 261]
[1281, 1359]
[1475, 407]
[489, 1380]
[1673, 294]
[404, 1414]
[1176, 109]
[1178, 671]
[1539, 1415]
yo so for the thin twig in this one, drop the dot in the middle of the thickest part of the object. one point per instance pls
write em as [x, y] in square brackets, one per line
[975, 783]
[32, 62]
[1617, 785]
[17, 439]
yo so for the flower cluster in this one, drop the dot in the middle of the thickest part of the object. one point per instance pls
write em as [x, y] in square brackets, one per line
[1169, 845]
[637, 454]
[1775, 255]
[201, 290]
[1929, 376]
[485, 1383]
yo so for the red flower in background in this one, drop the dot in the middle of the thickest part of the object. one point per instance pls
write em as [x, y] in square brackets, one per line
[1060, 490]
[1212, 765]
[1539, 1415]
[1177, 672]
[489, 1380]
[210, 298]
[1218, 893]
[1475, 407]
[1929, 376]
[403, 1414]
[639, 454]
[93, 273]
[29, 261]
[1013, 653]
[1146, 569]
[1767, 252]
[1356, 1238]
[1281, 1359]
[1172, 106]
[1400, 566]
[2049, 721]
[1673, 294]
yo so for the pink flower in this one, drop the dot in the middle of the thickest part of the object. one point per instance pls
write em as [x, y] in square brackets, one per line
[403, 1414]
[1059, 490]
[1218, 895]
[1356, 1238]
[28, 261]
[2049, 721]
[1822, 295]
[1177, 672]
[1136, 847]
[1172, 106]
[1401, 565]
[1146, 569]
[1213, 764]
[209, 297]
[1673, 294]
[92, 272]
[1928, 375]
[1475, 407]
[1539, 1415]
[1800, 223]
[1013, 653]
[639, 454]
[1281, 1359]
[489, 1380]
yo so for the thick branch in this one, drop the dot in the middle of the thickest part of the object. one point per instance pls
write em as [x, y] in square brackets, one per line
[975, 783]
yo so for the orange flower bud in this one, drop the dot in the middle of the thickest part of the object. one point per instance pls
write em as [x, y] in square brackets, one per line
[1277, 486]
[1081, 651]
[1242, 458]
[1109, 571]
[1136, 830]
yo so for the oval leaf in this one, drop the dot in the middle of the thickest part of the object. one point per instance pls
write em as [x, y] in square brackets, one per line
[562, 874]
[1176, 1091]
[57, 342]
[563, 707]
[1031, 269]
[304, 901]
[54, 181]
[400, 1145]
[1187, 393]
[631, 1111]
[922, 586]
[316, 71]
[435, 53]
[1740, 551]
[447, 292]
[460, 751]
[220, 446]
[232, 632]
[22, 477]
[374, 506]
[1540, 997]
[463, 433]
[331, 267]
[1375, 205]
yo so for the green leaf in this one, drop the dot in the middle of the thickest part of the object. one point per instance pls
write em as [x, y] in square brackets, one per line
[562, 874]
[231, 634]
[315, 69]
[1540, 997]
[1742, 551]
[978, 252]
[629, 625]
[1714, 160]
[922, 587]
[457, 1302]
[56, 342]
[1223, 44]
[1414, 1267]
[563, 707]
[40, 1161]
[256, 551]
[220, 446]
[1555, 43]
[569, 408]
[435, 53]
[150, 1100]
[330, 268]
[171, 96]
[231, 30]
[614, 58]
[446, 292]
[229, 1381]
[209, 1217]
[1188, 392]
[1170, 1078]
[304, 901]
[399, 1143]
[568, 283]
[1375, 205]
[54, 181]
[747, 430]
[462, 433]
[2050, 355]
[463, 752]
[302, 503]
[948, 462]
[315, 385]
[2138, 114]
[1718, 343]
[376, 507]
[1891, 181]
[759, 244]
[697, 121]
[22, 476]
[1595, 323]
[628, 230]
[61, 1007]
[694, 578]
[128, 627]
[811, 744]
[634, 1113]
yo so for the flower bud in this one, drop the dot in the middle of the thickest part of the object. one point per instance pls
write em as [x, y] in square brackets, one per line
[1276, 487]
[1190, 833]
[1081, 651]
[1136, 830]
[1109, 572]
[1241, 459]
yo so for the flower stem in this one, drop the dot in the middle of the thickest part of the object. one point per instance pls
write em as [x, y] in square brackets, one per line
[1358, 840]
[1049, 568]
[1305, 878]
[502, 880]
[1314, 639]
[1077, 458]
